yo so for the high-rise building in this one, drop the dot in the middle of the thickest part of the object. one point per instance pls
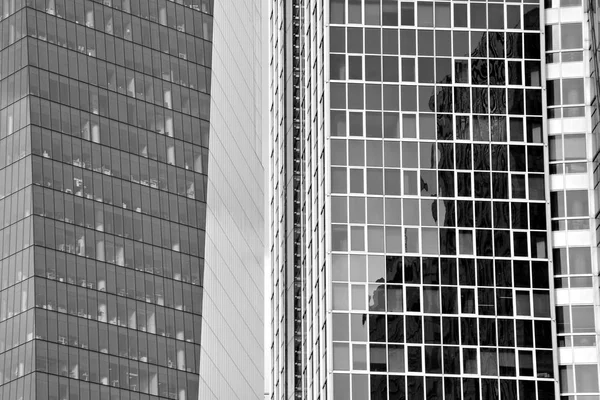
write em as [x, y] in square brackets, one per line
[432, 176]
[131, 196]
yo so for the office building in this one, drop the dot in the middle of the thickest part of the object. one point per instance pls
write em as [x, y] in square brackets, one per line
[131, 198]
[433, 203]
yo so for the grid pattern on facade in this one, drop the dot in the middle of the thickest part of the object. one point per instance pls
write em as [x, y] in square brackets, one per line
[107, 118]
[438, 207]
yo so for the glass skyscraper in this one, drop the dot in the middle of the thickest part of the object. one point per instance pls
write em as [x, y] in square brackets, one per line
[433, 204]
[131, 200]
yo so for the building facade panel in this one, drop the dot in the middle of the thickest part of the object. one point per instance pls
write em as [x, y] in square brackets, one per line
[104, 154]
[435, 207]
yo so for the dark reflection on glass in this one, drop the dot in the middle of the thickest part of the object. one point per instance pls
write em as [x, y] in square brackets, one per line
[483, 240]
[514, 45]
[468, 331]
[379, 387]
[394, 269]
[445, 128]
[377, 328]
[482, 184]
[535, 158]
[463, 156]
[433, 364]
[461, 70]
[506, 333]
[497, 101]
[515, 74]
[449, 300]
[397, 389]
[462, 100]
[485, 273]
[464, 213]
[447, 241]
[414, 331]
[479, 71]
[395, 328]
[450, 330]
[532, 45]
[500, 185]
[481, 127]
[445, 161]
[433, 385]
[499, 157]
[466, 271]
[496, 44]
[463, 130]
[432, 329]
[501, 215]
[446, 213]
[412, 269]
[414, 363]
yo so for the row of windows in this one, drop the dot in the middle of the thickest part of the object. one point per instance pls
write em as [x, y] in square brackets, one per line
[498, 44]
[412, 154]
[107, 278]
[134, 33]
[136, 226]
[147, 258]
[430, 70]
[151, 384]
[437, 388]
[399, 182]
[396, 211]
[126, 282]
[51, 387]
[90, 127]
[126, 343]
[103, 69]
[351, 181]
[432, 300]
[94, 100]
[507, 101]
[105, 218]
[467, 127]
[118, 79]
[134, 195]
[482, 361]
[390, 13]
[114, 163]
[433, 271]
[112, 249]
[431, 241]
[467, 331]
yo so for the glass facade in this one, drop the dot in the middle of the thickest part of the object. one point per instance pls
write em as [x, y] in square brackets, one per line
[104, 134]
[442, 193]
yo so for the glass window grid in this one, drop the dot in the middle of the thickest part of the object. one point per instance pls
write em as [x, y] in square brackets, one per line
[132, 27]
[10, 52]
[519, 140]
